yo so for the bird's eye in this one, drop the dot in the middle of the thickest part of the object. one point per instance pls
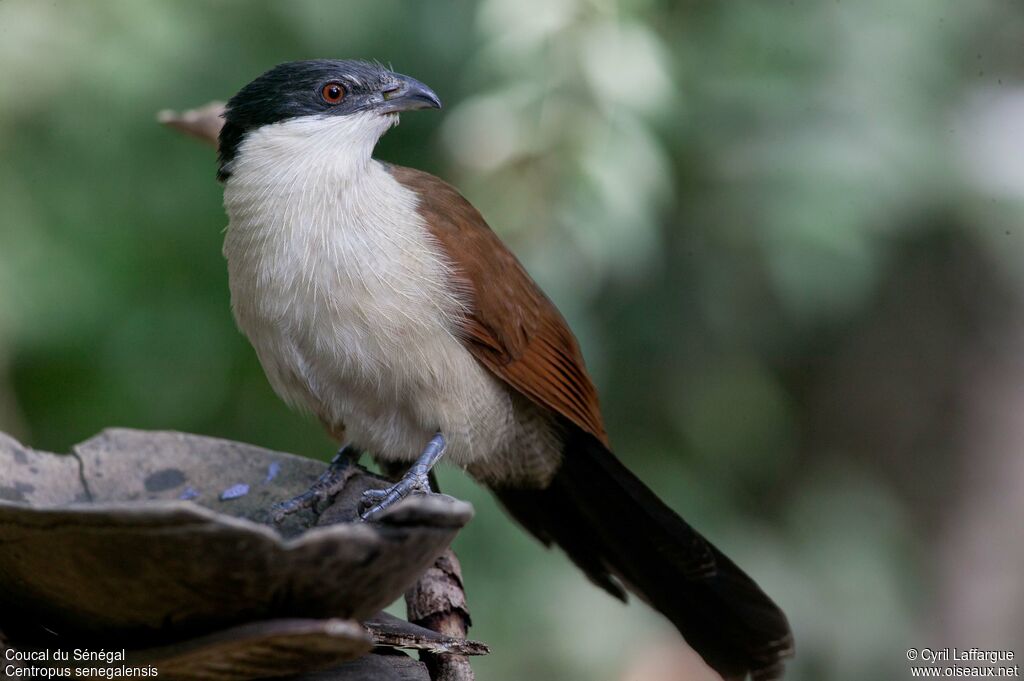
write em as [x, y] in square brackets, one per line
[333, 93]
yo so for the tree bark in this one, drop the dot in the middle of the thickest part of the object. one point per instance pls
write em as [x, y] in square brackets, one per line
[437, 601]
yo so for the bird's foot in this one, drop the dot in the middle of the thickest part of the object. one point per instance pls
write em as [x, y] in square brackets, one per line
[415, 481]
[325, 488]
[379, 499]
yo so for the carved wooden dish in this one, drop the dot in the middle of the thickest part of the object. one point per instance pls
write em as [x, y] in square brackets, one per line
[100, 545]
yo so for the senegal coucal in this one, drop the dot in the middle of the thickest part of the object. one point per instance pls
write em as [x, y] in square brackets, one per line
[378, 299]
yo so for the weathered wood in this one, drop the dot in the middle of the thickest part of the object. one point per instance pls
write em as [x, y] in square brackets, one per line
[259, 650]
[393, 631]
[379, 667]
[149, 573]
[437, 601]
[100, 547]
[292, 650]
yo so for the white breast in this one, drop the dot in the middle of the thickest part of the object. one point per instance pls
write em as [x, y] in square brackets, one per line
[342, 291]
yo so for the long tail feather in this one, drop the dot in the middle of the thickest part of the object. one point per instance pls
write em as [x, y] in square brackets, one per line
[620, 533]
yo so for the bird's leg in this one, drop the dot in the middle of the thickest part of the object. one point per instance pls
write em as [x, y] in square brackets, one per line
[417, 479]
[326, 486]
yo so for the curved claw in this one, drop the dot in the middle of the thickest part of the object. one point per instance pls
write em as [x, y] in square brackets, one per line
[410, 484]
[330, 482]
[415, 480]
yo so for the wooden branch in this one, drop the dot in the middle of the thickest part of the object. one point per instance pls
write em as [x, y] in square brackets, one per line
[437, 601]
[388, 630]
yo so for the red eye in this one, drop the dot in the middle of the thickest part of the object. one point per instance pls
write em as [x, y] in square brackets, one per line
[333, 93]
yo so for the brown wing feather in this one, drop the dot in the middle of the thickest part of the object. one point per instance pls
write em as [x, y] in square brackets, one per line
[512, 328]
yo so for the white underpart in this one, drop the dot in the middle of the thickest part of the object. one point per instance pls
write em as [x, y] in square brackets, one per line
[348, 301]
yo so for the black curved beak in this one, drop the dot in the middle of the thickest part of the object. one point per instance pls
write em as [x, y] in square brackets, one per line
[408, 94]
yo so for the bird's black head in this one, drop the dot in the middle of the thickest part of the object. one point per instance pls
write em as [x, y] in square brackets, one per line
[322, 87]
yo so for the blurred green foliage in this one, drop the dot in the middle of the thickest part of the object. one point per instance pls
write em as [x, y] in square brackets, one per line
[717, 196]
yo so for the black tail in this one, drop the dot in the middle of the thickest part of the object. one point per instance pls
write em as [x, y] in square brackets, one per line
[616, 530]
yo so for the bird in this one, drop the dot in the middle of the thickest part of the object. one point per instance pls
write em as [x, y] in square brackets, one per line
[378, 298]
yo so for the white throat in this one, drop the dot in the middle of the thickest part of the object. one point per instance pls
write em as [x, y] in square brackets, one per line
[337, 148]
